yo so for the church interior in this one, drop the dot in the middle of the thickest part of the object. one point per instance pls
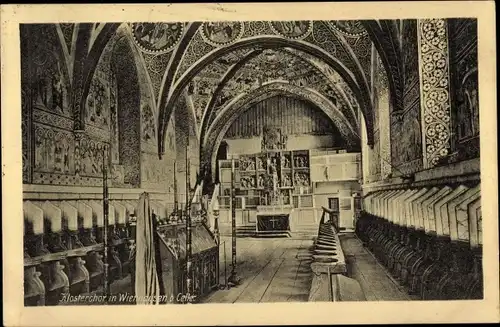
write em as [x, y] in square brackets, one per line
[251, 161]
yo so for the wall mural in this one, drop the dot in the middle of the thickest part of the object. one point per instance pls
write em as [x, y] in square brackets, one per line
[407, 127]
[148, 124]
[117, 175]
[274, 65]
[411, 85]
[114, 127]
[154, 172]
[67, 31]
[171, 141]
[383, 106]
[51, 85]
[61, 155]
[406, 154]
[292, 29]
[464, 79]
[374, 163]
[435, 89]
[130, 149]
[221, 33]
[91, 157]
[317, 33]
[98, 105]
[47, 138]
[157, 37]
[468, 107]
[54, 150]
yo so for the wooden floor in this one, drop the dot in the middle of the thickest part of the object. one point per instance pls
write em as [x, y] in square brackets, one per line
[270, 270]
[372, 276]
[278, 270]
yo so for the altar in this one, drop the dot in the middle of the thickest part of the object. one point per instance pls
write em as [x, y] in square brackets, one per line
[273, 219]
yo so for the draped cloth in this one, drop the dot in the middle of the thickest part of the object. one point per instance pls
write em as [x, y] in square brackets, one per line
[213, 200]
[147, 287]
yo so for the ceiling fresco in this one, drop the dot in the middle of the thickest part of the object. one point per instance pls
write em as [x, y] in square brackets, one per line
[270, 65]
[209, 63]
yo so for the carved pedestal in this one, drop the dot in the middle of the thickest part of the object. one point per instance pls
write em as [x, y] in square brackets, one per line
[87, 236]
[95, 266]
[436, 271]
[474, 284]
[54, 277]
[397, 248]
[80, 276]
[392, 241]
[411, 259]
[422, 263]
[453, 284]
[404, 251]
[34, 289]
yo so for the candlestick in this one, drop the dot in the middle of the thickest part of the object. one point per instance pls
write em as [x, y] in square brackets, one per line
[189, 280]
[106, 221]
[215, 209]
[233, 278]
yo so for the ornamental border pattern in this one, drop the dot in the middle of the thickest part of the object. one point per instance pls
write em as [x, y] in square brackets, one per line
[435, 94]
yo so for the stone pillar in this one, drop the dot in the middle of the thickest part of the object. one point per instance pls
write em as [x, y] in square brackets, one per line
[434, 90]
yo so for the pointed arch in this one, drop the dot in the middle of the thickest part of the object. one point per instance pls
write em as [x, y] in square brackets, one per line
[218, 129]
[176, 58]
[384, 37]
[86, 60]
[227, 76]
[166, 102]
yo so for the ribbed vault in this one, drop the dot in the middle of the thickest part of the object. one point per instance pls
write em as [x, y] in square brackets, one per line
[209, 64]
[243, 102]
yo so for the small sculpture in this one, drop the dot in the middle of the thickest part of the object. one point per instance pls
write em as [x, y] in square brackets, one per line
[260, 165]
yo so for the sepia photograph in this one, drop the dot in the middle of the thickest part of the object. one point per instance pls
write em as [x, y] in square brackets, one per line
[250, 161]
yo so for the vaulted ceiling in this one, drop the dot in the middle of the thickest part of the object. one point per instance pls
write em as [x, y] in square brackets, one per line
[209, 65]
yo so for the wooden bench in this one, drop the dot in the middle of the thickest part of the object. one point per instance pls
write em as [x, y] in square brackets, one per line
[329, 266]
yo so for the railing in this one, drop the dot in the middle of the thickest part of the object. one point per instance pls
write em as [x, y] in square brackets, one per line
[333, 217]
[329, 266]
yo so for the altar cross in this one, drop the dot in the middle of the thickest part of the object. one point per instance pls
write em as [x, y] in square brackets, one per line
[274, 220]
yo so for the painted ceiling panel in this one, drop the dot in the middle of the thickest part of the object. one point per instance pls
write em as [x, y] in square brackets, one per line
[281, 65]
[164, 47]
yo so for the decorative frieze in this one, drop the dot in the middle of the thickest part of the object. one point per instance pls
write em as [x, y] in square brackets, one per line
[434, 94]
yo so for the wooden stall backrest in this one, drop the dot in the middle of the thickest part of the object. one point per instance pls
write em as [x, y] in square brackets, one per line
[440, 209]
[53, 216]
[33, 215]
[120, 213]
[428, 209]
[70, 215]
